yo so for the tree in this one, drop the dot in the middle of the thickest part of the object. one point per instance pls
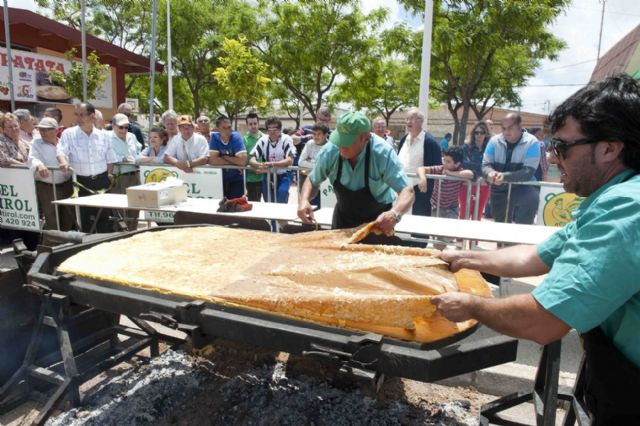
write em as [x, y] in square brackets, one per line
[481, 50]
[73, 79]
[386, 85]
[198, 29]
[125, 23]
[242, 76]
[309, 43]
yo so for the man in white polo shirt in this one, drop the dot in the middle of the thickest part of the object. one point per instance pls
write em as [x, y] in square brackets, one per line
[187, 149]
[42, 156]
[87, 150]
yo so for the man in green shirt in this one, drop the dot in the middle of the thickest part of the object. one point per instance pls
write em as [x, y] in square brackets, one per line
[254, 180]
[592, 263]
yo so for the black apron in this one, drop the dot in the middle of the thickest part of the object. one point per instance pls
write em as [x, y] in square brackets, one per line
[611, 382]
[355, 207]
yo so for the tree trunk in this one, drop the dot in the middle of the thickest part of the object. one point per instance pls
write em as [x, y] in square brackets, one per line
[196, 103]
[453, 110]
[462, 131]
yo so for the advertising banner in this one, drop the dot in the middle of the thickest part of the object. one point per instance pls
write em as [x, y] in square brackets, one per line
[18, 200]
[204, 182]
[556, 205]
[32, 82]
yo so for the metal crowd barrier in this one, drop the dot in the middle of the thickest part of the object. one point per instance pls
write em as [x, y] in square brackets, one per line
[537, 184]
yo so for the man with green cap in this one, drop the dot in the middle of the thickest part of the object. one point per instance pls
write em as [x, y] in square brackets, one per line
[366, 175]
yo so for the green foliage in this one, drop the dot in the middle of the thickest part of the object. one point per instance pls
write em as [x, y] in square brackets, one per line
[242, 75]
[72, 80]
[384, 86]
[308, 44]
[125, 23]
[482, 50]
[198, 30]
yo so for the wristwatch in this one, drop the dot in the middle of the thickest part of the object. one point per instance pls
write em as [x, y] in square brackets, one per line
[396, 215]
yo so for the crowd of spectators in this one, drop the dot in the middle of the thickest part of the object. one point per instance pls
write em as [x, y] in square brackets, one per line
[254, 164]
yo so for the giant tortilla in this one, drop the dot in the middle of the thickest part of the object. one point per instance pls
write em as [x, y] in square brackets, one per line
[312, 276]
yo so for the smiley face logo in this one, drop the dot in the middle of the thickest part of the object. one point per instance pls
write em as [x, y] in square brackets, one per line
[158, 175]
[558, 208]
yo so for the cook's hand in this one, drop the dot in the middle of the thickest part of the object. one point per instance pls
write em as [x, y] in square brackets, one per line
[64, 167]
[455, 306]
[43, 171]
[422, 184]
[305, 212]
[456, 259]
[386, 222]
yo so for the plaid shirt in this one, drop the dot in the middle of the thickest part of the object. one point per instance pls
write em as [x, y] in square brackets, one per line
[10, 150]
[88, 155]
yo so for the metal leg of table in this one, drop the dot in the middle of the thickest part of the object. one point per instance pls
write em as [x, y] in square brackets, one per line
[544, 394]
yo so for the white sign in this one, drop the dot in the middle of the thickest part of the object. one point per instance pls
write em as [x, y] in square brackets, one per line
[32, 83]
[135, 104]
[327, 196]
[204, 182]
[18, 200]
[556, 205]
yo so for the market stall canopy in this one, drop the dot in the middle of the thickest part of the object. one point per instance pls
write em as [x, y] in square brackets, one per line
[623, 57]
[30, 30]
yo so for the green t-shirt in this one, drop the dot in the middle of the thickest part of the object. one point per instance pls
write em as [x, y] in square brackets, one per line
[250, 142]
[594, 264]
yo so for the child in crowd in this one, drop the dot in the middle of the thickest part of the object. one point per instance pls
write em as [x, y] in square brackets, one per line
[445, 195]
[310, 152]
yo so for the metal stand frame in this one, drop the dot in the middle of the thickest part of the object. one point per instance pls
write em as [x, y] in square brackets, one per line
[78, 361]
[545, 395]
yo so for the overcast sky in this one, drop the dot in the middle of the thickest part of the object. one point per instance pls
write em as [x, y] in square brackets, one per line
[579, 28]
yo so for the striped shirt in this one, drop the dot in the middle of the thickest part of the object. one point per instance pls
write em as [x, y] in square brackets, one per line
[266, 151]
[447, 189]
[88, 155]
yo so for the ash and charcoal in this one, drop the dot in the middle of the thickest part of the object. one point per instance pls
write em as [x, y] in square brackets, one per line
[176, 388]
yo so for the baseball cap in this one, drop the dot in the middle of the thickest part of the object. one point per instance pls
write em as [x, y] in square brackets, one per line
[348, 127]
[48, 123]
[120, 120]
[185, 119]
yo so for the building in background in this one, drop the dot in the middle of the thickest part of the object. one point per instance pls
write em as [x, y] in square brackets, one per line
[623, 57]
[38, 45]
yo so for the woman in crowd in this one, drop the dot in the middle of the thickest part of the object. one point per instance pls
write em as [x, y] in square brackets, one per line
[170, 123]
[473, 152]
[13, 150]
[154, 153]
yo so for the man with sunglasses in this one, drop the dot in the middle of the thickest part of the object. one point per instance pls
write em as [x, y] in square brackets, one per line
[127, 109]
[592, 263]
[127, 149]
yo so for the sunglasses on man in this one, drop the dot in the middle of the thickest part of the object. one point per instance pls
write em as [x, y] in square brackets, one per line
[560, 147]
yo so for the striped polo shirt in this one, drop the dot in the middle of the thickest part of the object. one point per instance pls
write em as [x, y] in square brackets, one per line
[447, 189]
